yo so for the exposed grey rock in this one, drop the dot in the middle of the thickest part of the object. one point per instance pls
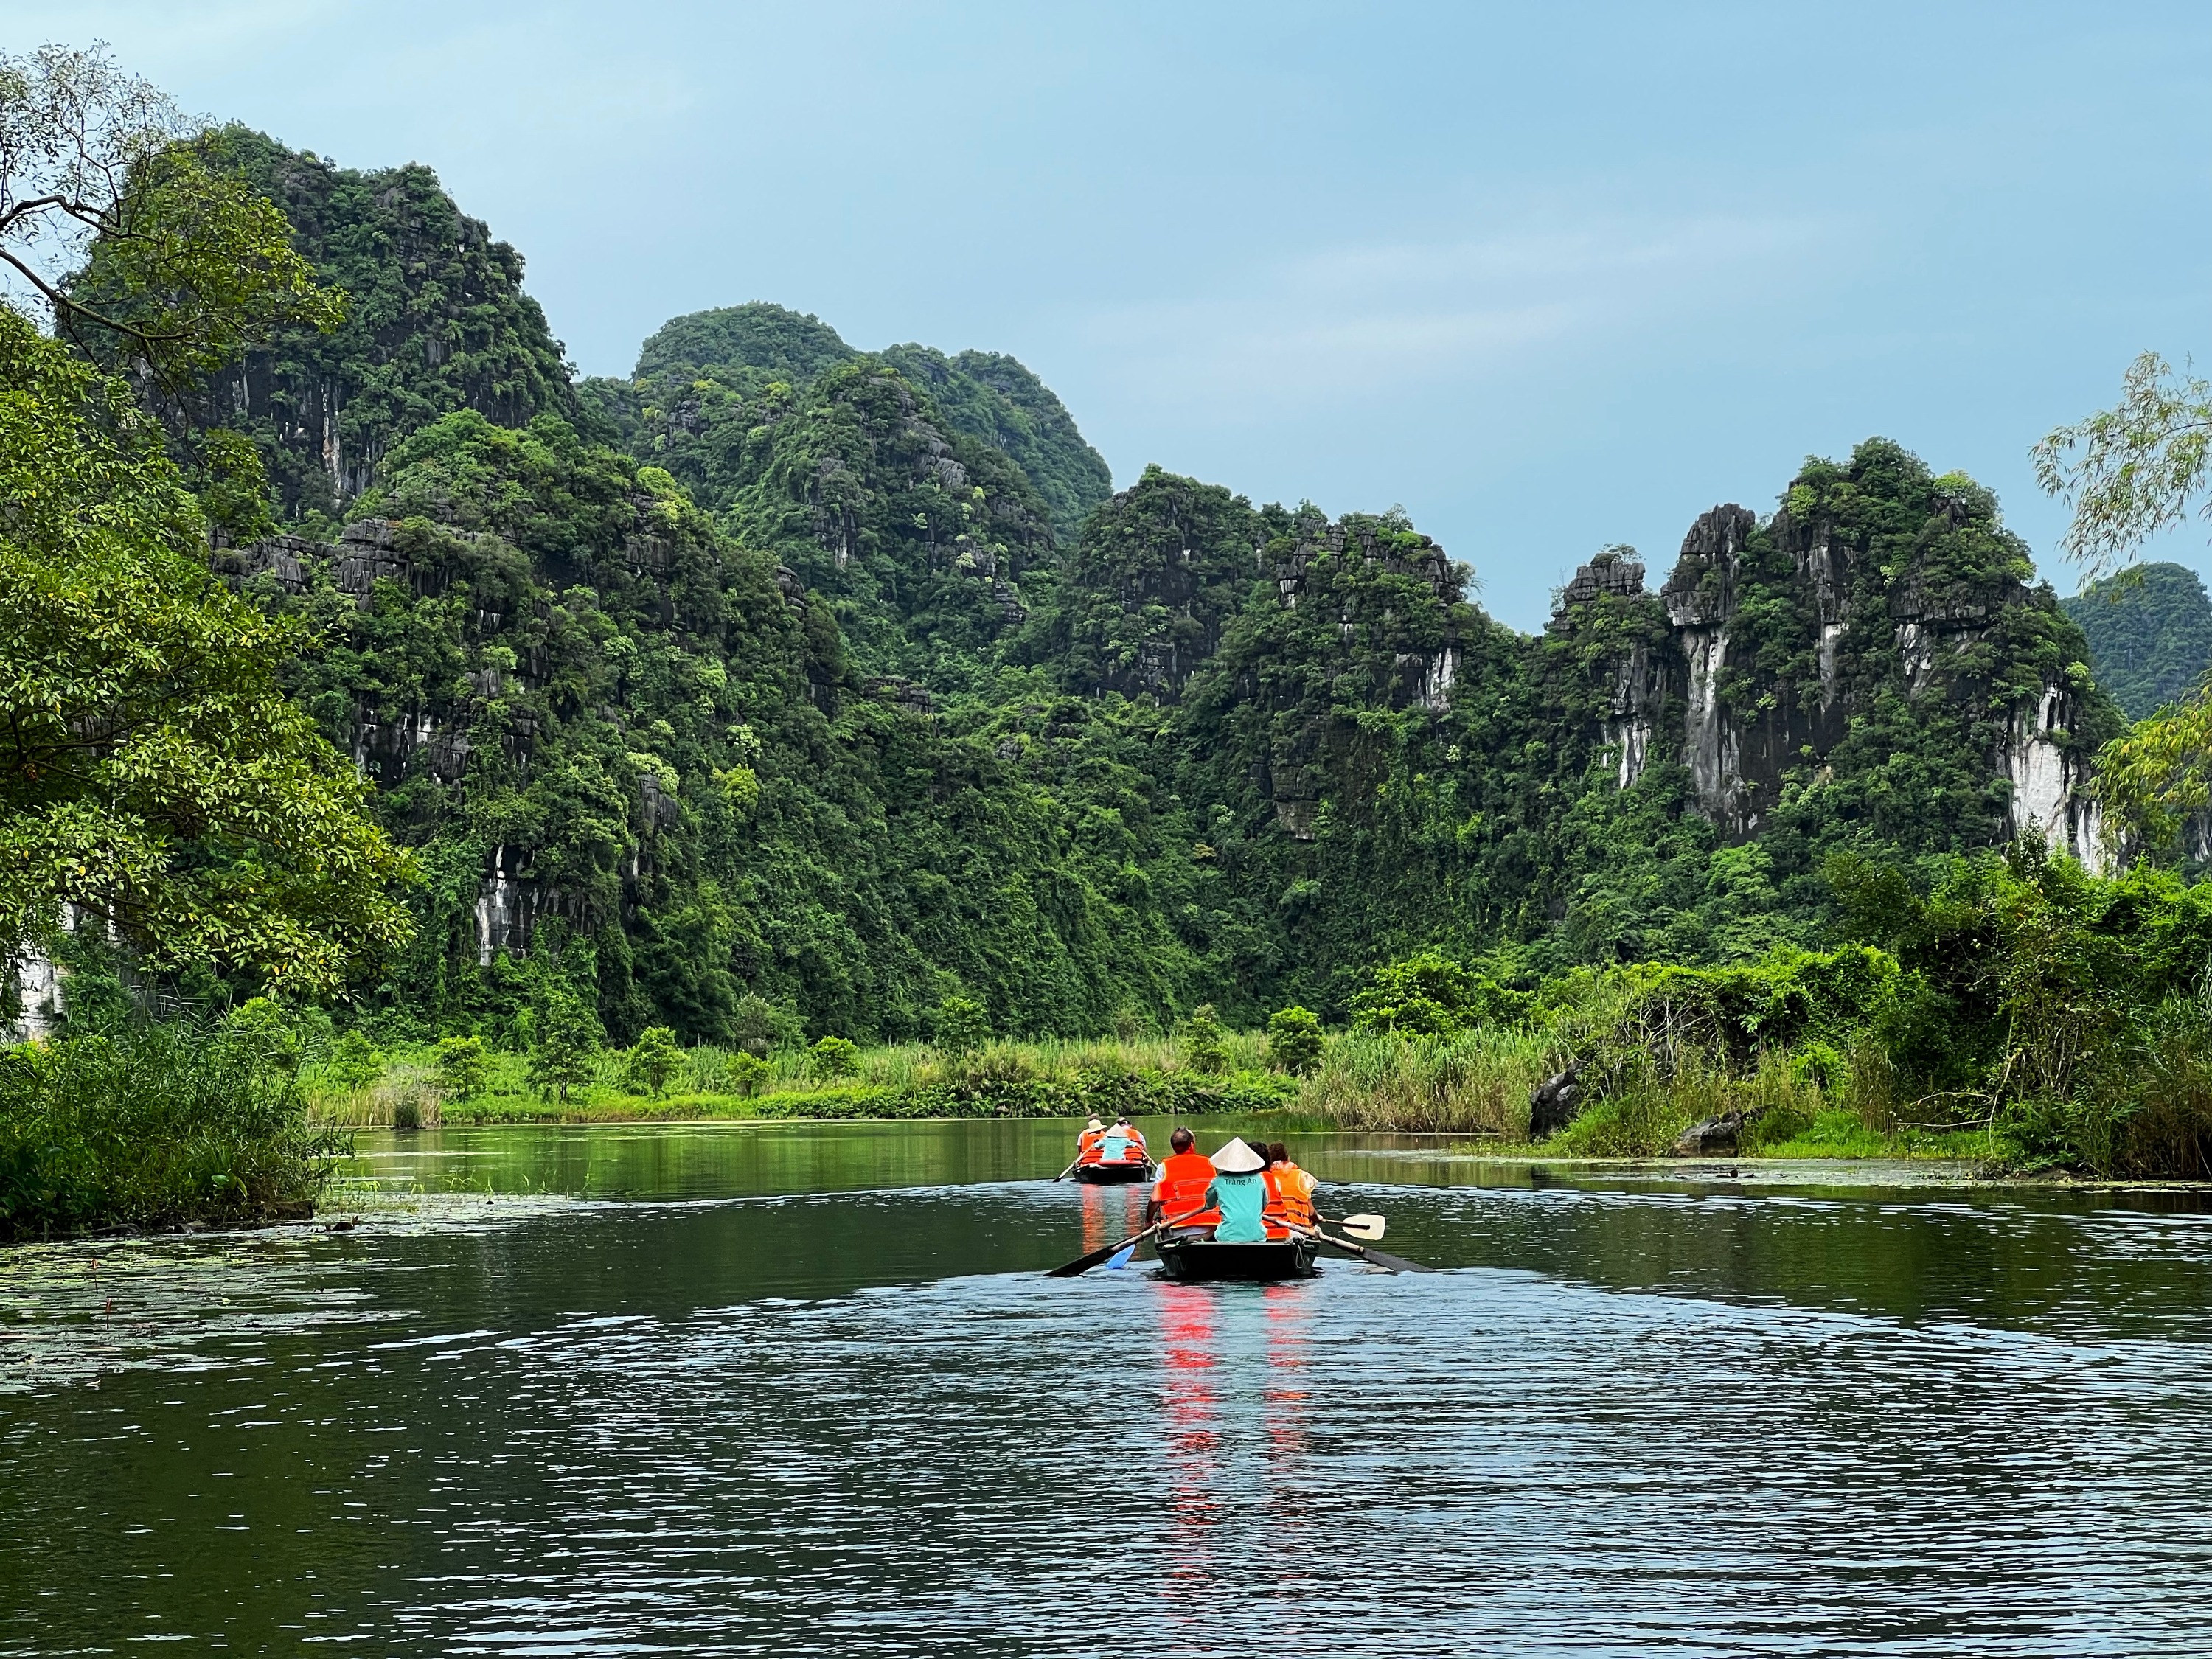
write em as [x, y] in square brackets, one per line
[285, 560]
[1715, 1134]
[1551, 1102]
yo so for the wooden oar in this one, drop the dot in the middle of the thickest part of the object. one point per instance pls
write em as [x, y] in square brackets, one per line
[1070, 1169]
[1084, 1264]
[1396, 1264]
[1369, 1227]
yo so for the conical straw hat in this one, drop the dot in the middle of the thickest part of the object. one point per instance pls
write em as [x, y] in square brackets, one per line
[1238, 1158]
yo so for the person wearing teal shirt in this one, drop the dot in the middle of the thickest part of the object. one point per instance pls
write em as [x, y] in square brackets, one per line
[1239, 1193]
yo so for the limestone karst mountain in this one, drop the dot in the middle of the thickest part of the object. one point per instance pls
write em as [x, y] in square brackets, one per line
[840, 678]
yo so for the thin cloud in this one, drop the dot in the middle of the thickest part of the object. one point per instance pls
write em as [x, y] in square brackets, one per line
[1382, 318]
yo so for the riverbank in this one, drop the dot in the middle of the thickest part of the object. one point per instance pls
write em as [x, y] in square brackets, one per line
[154, 1127]
[1477, 1085]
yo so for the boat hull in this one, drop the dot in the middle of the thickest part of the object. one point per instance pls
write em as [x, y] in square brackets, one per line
[1107, 1174]
[1204, 1261]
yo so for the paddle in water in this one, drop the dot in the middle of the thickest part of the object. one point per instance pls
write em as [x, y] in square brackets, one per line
[1389, 1263]
[1084, 1264]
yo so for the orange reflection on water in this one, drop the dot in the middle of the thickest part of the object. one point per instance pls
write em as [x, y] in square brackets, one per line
[1289, 1310]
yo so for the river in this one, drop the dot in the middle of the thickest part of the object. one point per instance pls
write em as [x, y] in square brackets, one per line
[802, 1389]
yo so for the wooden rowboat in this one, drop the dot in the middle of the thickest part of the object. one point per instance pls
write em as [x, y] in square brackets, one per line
[1206, 1260]
[1132, 1169]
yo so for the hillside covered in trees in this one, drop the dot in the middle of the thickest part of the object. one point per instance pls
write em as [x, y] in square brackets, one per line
[845, 679]
[2149, 630]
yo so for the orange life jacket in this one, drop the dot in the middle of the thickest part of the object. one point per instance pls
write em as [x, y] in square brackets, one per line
[1182, 1186]
[1297, 1187]
[1136, 1139]
[1272, 1215]
[1086, 1145]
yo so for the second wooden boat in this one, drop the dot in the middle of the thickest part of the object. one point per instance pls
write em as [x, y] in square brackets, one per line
[1133, 1169]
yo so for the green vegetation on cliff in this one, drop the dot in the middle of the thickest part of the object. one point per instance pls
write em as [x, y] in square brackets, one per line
[2149, 630]
[785, 676]
[706, 385]
[435, 321]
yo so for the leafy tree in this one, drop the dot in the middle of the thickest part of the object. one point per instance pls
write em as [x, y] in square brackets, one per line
[761, 1026]
[2128, 472]
[463, 1066]
[154, 775]
[567, 1036]
[1205, 1049]
[834, 1057]
[2134, 469]
[963, 1026]
[190, 263]
[747, 1073]
[355, 1062]
[1430, 994]
[654, 1059]
[1294, 1040]
[260, 1029]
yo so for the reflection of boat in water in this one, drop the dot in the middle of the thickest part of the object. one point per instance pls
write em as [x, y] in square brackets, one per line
[1102, 1173]
[1210, 1261]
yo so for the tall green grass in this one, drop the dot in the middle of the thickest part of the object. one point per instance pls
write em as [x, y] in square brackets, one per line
[154, 1126]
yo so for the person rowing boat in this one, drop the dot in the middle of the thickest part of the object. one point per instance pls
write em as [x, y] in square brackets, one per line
[1113, 1154]
[1239, 1192]
[1179, 1195]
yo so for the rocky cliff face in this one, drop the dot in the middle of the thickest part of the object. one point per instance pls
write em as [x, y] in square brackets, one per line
[436, 320]
[1881, 616]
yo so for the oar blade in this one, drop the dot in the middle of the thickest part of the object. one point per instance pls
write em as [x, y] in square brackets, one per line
[1396, 1264]
[1084, 1264]
[1369, 1227]
[1382, 1259]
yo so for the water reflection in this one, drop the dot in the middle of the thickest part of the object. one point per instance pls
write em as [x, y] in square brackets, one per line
[1674, 1417]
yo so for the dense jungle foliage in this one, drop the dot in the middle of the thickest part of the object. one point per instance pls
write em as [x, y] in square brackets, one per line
[785, 693]
[2149, 629]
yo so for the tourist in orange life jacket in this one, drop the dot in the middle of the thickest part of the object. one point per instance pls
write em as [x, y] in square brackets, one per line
[1271, 1206]
[1086, 1144]
[1294, 1186]
[1180, 1190]
[1132, 1138]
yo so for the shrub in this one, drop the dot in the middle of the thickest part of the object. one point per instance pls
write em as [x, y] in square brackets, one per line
[262, 1030]
[1204, 1042]
[355, 1062]
[761, 1027]
[654, 1058]
[1429, 994]
[1294, 1040]
[746, 1073]
[463, 1066]
[153, 1126]
[834, 1057]
[963, 1026]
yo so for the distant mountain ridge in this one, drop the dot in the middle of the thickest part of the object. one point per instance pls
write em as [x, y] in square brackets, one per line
[2150, 634]
[844, 678]
[705, 380]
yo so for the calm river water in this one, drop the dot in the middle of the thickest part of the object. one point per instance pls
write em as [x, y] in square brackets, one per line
[801, 1390]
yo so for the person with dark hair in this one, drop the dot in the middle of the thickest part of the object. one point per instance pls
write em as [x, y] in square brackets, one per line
[1179, 1194]
[1294, 1188]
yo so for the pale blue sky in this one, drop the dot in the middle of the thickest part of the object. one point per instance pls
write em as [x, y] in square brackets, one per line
[1547, 276]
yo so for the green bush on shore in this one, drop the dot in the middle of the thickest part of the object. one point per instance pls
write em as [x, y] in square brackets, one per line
[155, 1125]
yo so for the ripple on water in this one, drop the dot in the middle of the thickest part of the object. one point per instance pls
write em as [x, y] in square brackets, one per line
[1624, 1422]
